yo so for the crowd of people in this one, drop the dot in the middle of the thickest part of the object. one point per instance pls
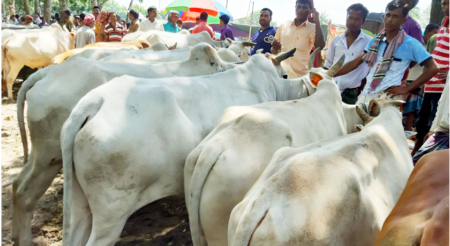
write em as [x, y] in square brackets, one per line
[388, 65]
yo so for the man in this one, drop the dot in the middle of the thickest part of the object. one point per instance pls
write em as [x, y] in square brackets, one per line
[96, 12]
[202, 26]
[134, 17]
[104, 21]
[300, 34]
[85, 35]
[18, 19]
[13, 20]
[124, 25]
[66, 16]
[435, 85]
[151, 23]
[388, 55]
[114, 30]
[44, 23]
[437, 138]
[180, 23]
[76, 22]
[351, 44]
[82, 16]
[28, 21]
[37, 20]
[411, 27]
[429, 38]
[263, 37]
[171, 25]
[225, 31]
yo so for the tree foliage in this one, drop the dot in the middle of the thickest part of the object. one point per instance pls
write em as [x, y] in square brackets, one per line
[254, 19]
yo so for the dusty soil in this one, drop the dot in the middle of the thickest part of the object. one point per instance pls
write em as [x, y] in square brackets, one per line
[164, 222]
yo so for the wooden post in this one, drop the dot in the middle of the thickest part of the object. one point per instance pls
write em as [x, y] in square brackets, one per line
[251, 23]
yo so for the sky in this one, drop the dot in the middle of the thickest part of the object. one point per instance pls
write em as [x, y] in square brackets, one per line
[284, 10]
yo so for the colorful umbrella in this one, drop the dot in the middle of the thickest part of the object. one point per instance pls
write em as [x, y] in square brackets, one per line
[197, 6]
[222, 10]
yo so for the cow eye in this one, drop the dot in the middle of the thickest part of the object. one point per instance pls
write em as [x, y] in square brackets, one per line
[284, 76]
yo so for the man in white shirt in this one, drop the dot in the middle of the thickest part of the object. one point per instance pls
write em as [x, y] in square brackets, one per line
[151, 23]
[37, 20]
[85, 35]
[351, 44]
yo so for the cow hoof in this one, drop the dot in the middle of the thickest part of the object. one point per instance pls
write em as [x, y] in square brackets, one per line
[6, 100]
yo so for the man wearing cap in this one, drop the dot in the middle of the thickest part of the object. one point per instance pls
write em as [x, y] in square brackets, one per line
[85, 35]
[264, 36]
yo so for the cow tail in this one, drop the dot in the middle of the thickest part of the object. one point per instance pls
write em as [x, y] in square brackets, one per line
[21, 97]
[85, 110]
[202, 169]
[254, 213]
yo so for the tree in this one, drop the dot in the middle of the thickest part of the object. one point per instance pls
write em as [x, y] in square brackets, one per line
[253, 19]
[47, 10]
[36, 6]
[27, 6]
[436, 13]
[324, 18]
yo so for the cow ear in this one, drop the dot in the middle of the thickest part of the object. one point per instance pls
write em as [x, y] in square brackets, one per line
[314, 78]
[374, 107]
[229, 40]
[359, 127]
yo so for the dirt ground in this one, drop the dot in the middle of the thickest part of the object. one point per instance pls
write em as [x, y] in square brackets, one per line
[164, 222]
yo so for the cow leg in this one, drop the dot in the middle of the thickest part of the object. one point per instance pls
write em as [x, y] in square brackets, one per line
[81, 216]
[10, 78]
[28, 188]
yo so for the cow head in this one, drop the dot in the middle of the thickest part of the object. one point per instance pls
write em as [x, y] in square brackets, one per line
[316, 74]
[242, 49]
[204, 54]
[375, 107]
[278, 59]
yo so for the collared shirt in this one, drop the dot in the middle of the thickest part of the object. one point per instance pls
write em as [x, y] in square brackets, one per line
[38, 21]
[84, 36]
[202, 26]
[410, 50]
[147, 25]
[412, 28]
[338, 48]
[226, 32]
[258, 38]
[114, 34]
[169, 27]
[301, 37]
[441, 56]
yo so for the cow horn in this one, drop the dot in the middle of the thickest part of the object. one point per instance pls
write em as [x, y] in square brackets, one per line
[311, 58]
[174, 46]
[283, 56]
[167, 46]
[364, 116]
[396, 103]
[251, 44]
[260, 51]
[335, 68]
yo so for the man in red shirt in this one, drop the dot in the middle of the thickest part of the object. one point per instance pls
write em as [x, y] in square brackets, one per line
[202, 26]
[434, 87]
[114, 31]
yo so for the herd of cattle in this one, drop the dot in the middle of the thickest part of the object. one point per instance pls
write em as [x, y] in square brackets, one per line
[262, 157]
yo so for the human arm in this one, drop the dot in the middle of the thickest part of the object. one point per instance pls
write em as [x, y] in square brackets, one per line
[431, 69]
[350, 66]
[276, 46]
[319, 41]
[330, 55]
[229, 34]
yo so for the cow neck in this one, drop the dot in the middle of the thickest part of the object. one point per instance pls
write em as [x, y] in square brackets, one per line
[292, 89]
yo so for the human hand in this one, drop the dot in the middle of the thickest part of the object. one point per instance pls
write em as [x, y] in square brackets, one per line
[315, 17]
[428, 136]
[276, 45]
[397, 91]
[442, 75]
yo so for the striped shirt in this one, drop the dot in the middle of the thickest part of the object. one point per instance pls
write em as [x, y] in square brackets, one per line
[114, 34]
[440, 55]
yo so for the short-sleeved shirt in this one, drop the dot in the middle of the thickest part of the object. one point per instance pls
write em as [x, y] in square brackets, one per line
[301, 37]
[412, 28]
[84, 36]
[441, 56]
[202, 26]
[134, 26]
[226, 32]
[114, 34]
[410, 50]
[147, 25]
[258, 38]
[338, 48]
[169, 27]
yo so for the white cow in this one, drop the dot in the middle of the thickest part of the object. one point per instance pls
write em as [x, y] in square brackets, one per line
[242, 49]
[176, 113]
[51, 95]
[334, 192]
[226, 164]
[34, 49]
[169, 38]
